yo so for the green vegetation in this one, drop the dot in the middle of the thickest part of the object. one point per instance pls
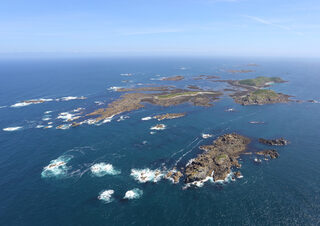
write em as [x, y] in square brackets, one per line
[264, 93]
[171, 95]
[223, 156]
[260, 81]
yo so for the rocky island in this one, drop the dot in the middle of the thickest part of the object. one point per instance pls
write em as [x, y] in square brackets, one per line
[173, 78]
[274, 142]
[273, 154]
[218, 158]
[133, 101]
[260, 97]
[169, 116]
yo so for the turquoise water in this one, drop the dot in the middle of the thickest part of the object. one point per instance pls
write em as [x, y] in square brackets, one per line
[284, 191]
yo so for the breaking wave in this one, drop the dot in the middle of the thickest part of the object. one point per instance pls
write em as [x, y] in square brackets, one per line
[106, 196]
[146, 118]
[72, 98]
[102, 169]
[133, 194]
[147, 175]
[57, 168]
[11, 129]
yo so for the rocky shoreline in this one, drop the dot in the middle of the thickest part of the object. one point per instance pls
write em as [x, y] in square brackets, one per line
[218, 158]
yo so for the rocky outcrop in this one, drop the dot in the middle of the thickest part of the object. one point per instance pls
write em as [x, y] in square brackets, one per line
[260, 97]
[173, 78]
[269, 153]
[274, 142]
[174, 175]
[169, 116]
[218, 158]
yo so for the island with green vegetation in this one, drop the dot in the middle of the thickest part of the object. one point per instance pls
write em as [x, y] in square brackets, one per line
[261, 81]
[260, 97]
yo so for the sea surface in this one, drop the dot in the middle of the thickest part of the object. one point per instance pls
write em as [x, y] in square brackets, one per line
[284, 191]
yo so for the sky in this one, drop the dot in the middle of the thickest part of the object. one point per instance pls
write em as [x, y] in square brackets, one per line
[161, 27]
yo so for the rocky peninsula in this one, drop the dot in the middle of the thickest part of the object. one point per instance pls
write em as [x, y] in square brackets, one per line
[133, 101]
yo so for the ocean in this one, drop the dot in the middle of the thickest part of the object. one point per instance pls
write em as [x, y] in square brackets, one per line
[283, 191]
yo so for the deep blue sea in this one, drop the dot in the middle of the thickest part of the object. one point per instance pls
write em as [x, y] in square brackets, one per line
[284, 191]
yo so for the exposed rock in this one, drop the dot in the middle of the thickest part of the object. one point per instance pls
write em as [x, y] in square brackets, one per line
[194, 87]
[169, 116]
[275, 142]
[238, 174]
[75, 124]
[260, 97]
[240, 71]
[218, 158]
[271, 153]
[174, 175]
[173, 78]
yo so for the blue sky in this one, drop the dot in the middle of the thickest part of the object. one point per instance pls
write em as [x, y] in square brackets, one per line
[162, 27]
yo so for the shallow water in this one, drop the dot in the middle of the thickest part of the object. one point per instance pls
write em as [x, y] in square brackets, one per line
[284, 191]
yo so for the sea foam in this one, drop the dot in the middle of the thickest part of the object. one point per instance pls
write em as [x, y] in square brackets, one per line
[106, 196]
[72, 98]
[147, 175]
[101, 169]
[11, 129]
[57, 168]
[146, 118]
[133, 194]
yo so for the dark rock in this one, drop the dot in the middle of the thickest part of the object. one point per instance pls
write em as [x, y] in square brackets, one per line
[275, 142]
[271, 153]
[218, 158]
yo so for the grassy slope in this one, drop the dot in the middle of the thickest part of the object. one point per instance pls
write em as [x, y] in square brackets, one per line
[260, 81]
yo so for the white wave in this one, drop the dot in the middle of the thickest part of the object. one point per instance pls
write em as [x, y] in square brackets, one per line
[89, 121]
[21, 104]
[48, 127]
[158, 127]
[126, 74]
[200, 183]
[64, 126]
[206, 135]
[147, 175]
[67, 117]
[146, 118]
[152, 132]
[101, 169]
[122, 117]
[39, 126]
[161, 78]
[3, 107]
[47, 112]
[133, 194]
[78, 110]
[46, 118]
[72, 98]
[99, 103]
[106, 196]
[11, 129]
[29, 102]
[106, 120]
[115, 88]
[57, 167]
[49, 123]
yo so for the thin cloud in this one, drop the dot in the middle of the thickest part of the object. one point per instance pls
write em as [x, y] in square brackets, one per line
[269, 23]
